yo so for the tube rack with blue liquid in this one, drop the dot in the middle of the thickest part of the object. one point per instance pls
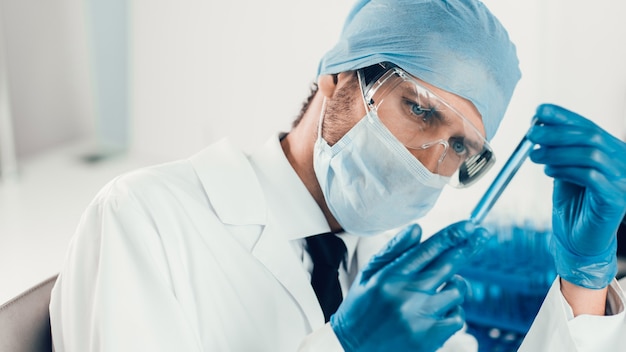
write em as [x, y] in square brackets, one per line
[508, 279]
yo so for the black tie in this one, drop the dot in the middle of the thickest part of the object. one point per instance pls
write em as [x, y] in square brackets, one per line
[327, 251]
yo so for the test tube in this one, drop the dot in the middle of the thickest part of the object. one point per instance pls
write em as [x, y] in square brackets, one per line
[502, 179]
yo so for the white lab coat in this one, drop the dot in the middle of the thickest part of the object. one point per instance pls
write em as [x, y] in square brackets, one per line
[555, 329]
[195, 255]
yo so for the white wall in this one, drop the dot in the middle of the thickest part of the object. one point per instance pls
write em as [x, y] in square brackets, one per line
[586, 70]
[203, 70]
[49, 74]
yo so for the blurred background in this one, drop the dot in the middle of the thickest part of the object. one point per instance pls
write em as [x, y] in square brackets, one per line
[92, 89]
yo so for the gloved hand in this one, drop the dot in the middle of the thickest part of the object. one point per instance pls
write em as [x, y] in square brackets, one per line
[589, 198]
[408, 298]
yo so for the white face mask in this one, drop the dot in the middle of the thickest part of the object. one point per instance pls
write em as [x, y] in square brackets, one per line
[371, 182]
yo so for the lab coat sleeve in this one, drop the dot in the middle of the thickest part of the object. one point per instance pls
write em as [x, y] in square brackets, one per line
[555, 329]
[114, 292]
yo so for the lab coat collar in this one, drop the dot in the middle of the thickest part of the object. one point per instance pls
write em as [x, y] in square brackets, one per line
[265, 180]
[297, 211]
[292, 205]
[221, 164]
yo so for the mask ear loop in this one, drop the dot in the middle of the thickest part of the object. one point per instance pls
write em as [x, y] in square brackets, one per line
[321, 120]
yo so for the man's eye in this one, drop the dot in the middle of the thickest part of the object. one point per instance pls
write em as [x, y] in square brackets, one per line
[418, 110]
[458, 146]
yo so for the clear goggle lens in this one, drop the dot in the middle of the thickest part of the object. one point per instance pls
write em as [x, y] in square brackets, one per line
[433, 131]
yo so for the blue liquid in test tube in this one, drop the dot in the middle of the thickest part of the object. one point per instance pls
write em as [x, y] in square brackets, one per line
[502, 179]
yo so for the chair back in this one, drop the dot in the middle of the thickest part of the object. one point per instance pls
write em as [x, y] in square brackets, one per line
[25, 320]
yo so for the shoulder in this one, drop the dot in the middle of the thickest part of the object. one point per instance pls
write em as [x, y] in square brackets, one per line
[218, 178]
[144, 184]
[183, 176]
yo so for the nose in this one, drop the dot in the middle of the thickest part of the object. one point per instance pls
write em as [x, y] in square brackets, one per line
[431, 155]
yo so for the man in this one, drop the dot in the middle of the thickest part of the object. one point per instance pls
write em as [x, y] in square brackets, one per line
[221, 251]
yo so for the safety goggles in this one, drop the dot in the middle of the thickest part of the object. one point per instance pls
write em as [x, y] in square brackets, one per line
[432, 130]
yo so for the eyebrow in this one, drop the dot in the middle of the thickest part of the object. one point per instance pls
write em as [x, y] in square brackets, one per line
[473, 144]
[443, 117]
[432, 100]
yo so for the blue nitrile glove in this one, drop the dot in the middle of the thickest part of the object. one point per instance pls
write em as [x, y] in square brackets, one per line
[589, 199]
[408, 298]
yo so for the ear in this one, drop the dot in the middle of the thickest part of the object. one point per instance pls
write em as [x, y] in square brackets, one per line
[327, 85]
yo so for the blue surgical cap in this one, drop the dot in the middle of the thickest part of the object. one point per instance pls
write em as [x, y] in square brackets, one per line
[456, 45]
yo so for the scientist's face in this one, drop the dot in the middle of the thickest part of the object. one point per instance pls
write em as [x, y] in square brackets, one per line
[346, 108]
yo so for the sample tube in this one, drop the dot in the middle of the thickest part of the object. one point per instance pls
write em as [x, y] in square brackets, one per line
[502, 179]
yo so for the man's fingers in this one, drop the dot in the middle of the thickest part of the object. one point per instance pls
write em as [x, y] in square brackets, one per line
[442, 269]
[463, 234]
[554, 114]
[440, 303]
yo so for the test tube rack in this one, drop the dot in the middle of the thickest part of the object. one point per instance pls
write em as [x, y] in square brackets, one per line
[508, 281]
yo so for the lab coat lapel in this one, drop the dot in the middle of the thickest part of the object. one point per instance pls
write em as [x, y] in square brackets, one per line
[231, 184]
[280, 259]
[242, 203]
